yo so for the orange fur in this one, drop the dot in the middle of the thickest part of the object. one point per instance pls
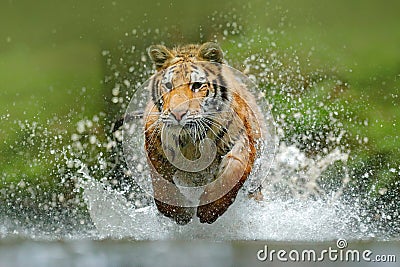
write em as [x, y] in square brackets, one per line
[234, 166]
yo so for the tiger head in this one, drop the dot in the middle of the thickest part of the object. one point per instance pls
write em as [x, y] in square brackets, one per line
[188, 86]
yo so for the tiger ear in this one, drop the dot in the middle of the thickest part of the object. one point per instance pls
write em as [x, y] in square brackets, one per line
[159, 54]
[211, 52]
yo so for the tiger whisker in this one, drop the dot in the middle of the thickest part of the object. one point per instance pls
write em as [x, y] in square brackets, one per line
[155, 123]
[216, 121]
[204, 129]
[204, 120]
[154, 113]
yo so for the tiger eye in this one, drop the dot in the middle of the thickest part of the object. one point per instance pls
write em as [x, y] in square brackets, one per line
[168, 85]
[196, 86]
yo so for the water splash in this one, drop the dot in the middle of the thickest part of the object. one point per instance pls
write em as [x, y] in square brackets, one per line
[305, 193]
[300, 219]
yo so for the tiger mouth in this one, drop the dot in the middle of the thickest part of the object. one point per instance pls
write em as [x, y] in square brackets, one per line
[195, 129]
[185, 120]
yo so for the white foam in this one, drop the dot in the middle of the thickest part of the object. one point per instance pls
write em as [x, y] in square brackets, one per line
[246, 219]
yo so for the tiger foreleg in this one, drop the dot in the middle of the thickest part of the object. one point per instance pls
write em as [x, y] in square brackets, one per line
[233, 172]
[181, 215]
[171, 202]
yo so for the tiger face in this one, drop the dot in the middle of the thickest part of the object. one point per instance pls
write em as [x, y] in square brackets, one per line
[187, 90]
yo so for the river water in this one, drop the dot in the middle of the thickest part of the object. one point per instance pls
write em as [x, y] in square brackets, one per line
[22, 252]
[100, 226]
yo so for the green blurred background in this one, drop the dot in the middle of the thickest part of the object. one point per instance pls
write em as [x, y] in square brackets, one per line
[53, 71]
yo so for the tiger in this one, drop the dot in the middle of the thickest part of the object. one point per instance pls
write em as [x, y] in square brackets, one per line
[194, 97]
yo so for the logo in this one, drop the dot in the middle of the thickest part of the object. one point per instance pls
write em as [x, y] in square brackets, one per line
[340, 253]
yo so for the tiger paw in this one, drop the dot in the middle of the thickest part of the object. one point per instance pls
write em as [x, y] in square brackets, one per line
[210, 212]
[181, 215]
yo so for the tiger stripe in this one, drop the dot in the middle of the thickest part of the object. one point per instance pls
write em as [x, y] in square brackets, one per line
[217, 108]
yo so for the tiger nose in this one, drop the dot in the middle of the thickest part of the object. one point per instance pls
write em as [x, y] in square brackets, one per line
[179, 113]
